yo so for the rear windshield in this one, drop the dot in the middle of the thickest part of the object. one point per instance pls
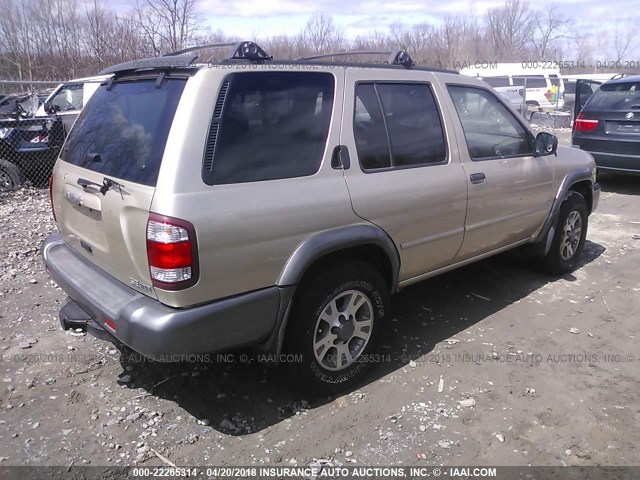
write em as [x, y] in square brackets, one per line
[274, 125]
[122, 132]
[497, 81]
[616, 96]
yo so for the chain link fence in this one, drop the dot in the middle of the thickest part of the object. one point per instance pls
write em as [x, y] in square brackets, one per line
[30, 138]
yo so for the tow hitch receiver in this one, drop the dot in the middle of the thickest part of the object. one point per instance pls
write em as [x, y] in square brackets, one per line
[72, 317]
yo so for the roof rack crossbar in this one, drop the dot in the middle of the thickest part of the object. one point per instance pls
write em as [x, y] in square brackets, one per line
[400, 57]
[345, 54]
[241, 51]
[199, 47]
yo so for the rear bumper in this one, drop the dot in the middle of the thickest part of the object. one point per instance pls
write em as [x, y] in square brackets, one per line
[151, 328]
[617, 162]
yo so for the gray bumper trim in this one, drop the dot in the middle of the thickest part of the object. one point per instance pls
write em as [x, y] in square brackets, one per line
[151, 328]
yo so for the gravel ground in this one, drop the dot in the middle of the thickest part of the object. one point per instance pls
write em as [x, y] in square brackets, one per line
[491, 364]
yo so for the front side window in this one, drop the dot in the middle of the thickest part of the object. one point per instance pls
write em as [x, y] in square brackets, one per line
[490, 129]
[397, 125]
[273, 125]
[68, 98]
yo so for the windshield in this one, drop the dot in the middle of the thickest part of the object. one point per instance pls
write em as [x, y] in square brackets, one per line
[122, 132]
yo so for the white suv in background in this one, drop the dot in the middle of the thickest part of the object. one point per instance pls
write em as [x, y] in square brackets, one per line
[544, 86]
[68, 99]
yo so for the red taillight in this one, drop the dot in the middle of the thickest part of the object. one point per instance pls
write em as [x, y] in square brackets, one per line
[53, 210]
[169, 255]
[110, 323]
[171, 252]
[585, 125]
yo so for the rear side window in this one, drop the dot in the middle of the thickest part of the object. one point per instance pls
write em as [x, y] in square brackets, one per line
[533, 81]
[268, 125]
[122, 132]
[616, 96]
[497, 81]
[397, 125]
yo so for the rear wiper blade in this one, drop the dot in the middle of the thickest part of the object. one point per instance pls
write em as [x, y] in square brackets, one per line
[108, 184]
[84, 183]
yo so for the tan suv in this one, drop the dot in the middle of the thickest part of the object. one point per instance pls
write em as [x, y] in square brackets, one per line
[277, 205]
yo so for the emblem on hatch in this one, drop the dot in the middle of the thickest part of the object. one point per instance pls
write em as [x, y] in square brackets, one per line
[74, 197]
[629, 116]
[139, 285]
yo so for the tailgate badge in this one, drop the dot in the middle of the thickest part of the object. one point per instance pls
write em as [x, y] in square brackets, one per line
[74, 197]
[139, 285]
[629, 116]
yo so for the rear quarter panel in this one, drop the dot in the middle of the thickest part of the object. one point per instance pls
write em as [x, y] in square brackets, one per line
[246, 232]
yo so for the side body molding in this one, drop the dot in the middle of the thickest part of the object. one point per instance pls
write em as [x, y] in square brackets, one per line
[334, 240]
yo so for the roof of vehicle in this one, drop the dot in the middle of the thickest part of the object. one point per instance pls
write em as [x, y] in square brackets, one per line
[630, 78]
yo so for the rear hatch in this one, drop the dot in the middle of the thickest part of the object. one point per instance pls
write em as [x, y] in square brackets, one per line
[610, 121]
[104, 186]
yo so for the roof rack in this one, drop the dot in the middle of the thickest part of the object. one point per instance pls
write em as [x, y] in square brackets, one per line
[400, 57]
[184, 58]
[242, 51]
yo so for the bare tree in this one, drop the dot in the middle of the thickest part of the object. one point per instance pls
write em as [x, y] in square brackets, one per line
[549, 27]
[510, 29]
[624, 39]
[321, 34]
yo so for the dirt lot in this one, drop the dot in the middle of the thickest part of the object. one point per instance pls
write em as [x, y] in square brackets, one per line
[547, 370]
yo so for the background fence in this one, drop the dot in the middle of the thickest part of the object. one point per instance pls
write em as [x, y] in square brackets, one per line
[29, 144]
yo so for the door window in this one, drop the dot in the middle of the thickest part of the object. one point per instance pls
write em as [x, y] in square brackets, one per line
[68, 98]
[490, 129]
[397, 125]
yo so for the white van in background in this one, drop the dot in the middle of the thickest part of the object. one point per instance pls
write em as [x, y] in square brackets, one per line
[68, 99]
[544, 86]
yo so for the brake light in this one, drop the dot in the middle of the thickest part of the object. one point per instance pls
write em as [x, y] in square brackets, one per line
[53, 209]
[585, 125]
[171, 252]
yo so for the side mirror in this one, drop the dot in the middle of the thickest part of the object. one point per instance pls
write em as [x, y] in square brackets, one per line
[545, 144]
[50, 108]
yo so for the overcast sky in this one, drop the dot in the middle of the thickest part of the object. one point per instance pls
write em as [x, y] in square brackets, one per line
[272, 17]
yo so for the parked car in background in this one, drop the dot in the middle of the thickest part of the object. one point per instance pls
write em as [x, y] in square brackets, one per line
[34, 130]
[544, 86]
[194, 216]
[608, 127]
[68, 99]
[19, 105]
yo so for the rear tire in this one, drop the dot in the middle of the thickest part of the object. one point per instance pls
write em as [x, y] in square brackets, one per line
[10, 176]
[335, 325]
[569, 236]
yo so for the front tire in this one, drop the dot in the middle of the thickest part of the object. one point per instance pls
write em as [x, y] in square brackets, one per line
[10, 176]
[335, 326]
[569, 236]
